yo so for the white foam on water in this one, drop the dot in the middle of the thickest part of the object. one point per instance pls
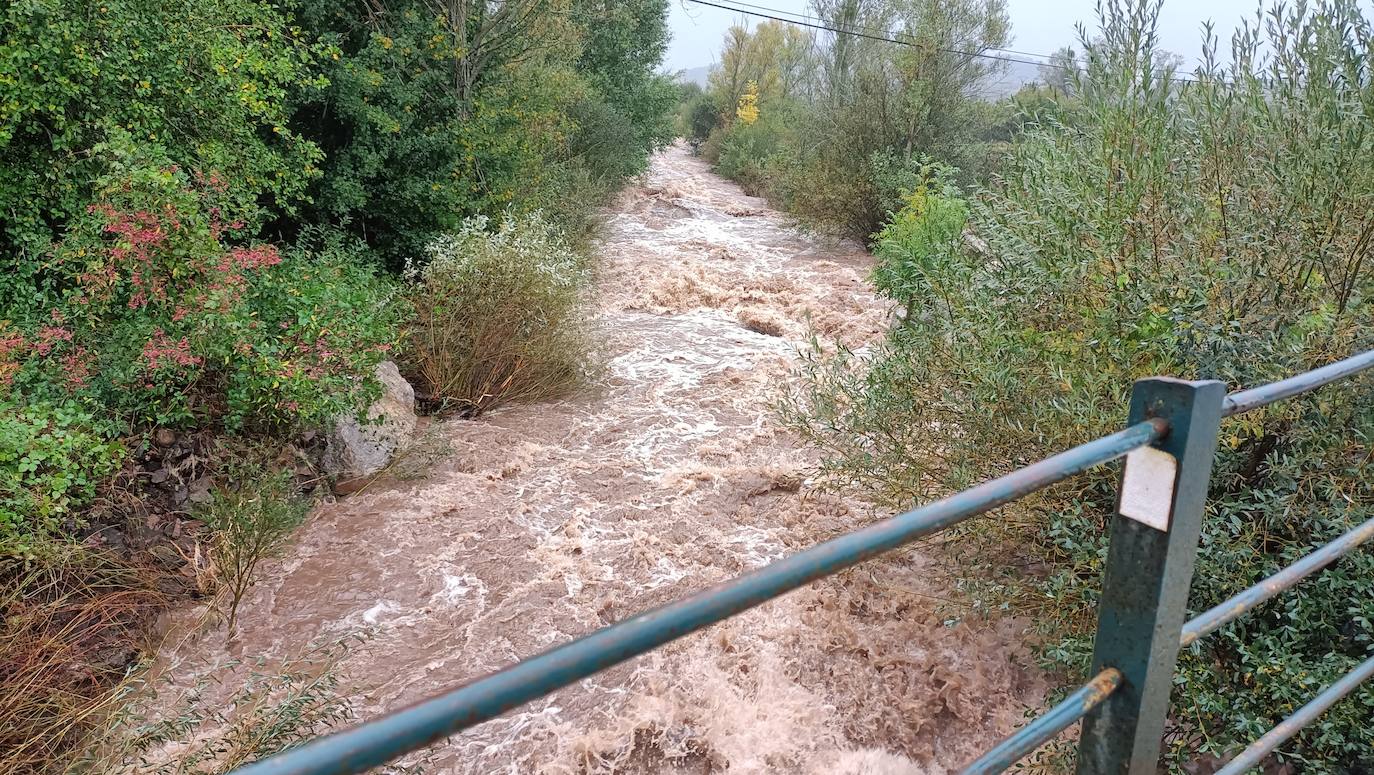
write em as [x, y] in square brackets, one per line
[666, 476]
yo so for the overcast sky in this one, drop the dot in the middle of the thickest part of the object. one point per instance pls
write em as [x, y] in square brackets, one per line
[1038, 26]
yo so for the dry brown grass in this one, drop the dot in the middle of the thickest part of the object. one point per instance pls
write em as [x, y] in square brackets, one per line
[72, 620]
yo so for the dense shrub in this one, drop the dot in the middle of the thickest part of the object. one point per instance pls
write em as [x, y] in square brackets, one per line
[497, 315]
[204, 80]
[598, 142]
[622, 43]
[747, 151]
[151, 314]
[156, 317]
[696, 114]
[835, 191]
[905, 182]
[1213, 230]
[51, 460]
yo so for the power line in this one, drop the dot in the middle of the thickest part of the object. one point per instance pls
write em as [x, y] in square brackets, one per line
[875, 30]
[849, 26]
[871, 34]
[884, 39]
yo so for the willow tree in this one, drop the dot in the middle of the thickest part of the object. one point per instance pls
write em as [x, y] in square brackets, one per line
[883, 105]
[774, 57]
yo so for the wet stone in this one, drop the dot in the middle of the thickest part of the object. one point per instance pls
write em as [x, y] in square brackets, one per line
[361, 448]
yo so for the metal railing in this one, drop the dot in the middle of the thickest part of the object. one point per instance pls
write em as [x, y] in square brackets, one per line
[1169, 443]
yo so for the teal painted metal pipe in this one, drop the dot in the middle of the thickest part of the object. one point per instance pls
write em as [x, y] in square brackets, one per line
[1232, 609]
[1145, 581]
[393, 735]
[1254, 398]
[1290, 726]
[1043, 729]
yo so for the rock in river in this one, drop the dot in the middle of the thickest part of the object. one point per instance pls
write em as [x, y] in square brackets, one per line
[360, 448]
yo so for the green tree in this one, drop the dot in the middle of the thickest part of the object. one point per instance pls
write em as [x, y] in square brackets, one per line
[1058, 72]
[437, 111]
[205, 81]
[701, 118]
[622, 44]
[419, 123]
[774, 57]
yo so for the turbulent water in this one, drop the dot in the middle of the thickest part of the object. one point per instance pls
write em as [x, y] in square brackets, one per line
[542, 522]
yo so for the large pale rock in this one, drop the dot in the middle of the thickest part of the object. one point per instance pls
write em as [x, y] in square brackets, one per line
[355, 448]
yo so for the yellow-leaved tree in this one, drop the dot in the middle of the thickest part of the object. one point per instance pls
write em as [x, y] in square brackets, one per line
[748, 110]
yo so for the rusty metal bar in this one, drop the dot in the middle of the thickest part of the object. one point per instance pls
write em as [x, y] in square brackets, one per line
[1043, 729]
[1232, 609]
[381, 740]
[1255, 397]
[1290, 726]
[1149, 569]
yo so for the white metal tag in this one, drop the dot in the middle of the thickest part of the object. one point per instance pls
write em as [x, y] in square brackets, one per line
[1147, 487]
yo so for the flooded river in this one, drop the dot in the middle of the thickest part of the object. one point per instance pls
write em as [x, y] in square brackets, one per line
[541, 522]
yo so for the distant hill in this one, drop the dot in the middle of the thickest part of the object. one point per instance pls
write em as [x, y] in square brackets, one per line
[1016, 75]
[696, 75]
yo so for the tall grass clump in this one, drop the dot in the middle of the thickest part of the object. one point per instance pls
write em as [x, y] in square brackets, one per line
[1216, 229]
[497, 315]
[70, 618]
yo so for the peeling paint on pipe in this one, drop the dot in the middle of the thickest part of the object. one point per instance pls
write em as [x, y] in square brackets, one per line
[1043, 729]
[1254, 398]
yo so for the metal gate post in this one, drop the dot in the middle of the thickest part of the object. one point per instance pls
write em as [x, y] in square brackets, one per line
[1154, 538]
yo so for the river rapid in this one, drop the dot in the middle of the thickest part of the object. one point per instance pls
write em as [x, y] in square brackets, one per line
[538, 523]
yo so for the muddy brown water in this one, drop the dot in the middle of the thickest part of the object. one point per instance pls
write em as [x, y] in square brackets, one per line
[542, 522]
